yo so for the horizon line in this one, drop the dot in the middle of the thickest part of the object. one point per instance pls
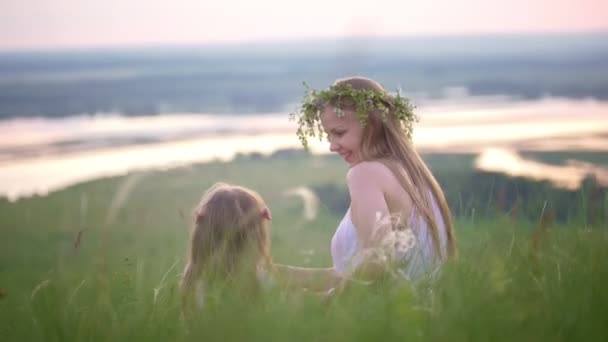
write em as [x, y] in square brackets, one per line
[282, 40]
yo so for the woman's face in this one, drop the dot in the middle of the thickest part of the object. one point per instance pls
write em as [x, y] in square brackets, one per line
[344, 134]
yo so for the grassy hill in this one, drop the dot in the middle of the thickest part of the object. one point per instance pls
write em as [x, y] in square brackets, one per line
[102, 260]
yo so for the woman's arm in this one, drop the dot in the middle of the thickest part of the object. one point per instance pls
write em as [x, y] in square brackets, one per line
[368, 203]
[372, 219]
[313, 279]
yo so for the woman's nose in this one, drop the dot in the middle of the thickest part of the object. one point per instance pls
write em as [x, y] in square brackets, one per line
[333, 146]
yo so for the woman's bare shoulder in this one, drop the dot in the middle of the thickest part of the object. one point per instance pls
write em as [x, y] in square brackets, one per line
[374, 177]
[370, 172]
[368, 168]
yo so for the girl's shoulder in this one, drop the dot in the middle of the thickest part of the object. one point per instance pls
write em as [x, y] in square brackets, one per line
[368, 168]
[370, 171]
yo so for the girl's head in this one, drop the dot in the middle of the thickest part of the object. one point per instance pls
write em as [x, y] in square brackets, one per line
[230, 236]
[354, 138]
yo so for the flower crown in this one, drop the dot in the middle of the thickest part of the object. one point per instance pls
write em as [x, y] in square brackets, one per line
[342, 95]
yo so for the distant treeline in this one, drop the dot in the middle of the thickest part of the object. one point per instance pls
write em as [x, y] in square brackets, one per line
[475, 194]
[484, 195]
[489, 194]
[268, 77]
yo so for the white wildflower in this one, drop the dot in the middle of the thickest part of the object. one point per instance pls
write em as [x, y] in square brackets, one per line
[394, 238]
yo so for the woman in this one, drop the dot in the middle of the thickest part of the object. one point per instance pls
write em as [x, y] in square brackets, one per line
[371, 130]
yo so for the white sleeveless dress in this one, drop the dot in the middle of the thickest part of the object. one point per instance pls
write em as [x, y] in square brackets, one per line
[422, 258]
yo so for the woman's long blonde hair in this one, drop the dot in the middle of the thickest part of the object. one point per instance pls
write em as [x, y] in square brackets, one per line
[384, 140]
[230, 238]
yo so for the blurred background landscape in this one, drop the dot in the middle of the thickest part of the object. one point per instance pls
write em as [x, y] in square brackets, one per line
[267, 77]
[473, 93]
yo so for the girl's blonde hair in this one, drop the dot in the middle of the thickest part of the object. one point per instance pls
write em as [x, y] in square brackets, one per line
[230, 239]
[384, 140]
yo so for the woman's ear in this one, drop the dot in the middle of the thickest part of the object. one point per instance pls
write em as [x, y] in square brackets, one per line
[266, 214]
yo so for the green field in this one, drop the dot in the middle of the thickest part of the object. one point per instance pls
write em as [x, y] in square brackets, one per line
[102, 261]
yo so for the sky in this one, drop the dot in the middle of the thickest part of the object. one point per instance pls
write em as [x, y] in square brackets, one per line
[35, 24]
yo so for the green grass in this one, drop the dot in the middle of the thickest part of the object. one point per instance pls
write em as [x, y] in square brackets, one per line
[120, 282]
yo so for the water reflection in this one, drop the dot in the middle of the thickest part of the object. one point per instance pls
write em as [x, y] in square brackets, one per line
[45, 174]
[40, 136]
[569, 176]
[42, 155]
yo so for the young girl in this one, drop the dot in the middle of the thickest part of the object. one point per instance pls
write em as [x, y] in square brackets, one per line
[371, 130]
[229, 246]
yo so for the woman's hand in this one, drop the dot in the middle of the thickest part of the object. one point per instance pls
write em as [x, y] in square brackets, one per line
[313, 279]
